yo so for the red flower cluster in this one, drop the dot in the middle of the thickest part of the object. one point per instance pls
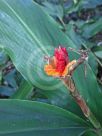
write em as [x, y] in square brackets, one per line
[59, 64]
[62, 59]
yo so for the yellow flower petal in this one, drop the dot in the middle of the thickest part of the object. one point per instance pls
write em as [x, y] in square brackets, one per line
[50, 71]
[69, 65]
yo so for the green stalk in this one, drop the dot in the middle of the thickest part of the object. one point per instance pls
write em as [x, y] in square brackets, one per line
[94, 121]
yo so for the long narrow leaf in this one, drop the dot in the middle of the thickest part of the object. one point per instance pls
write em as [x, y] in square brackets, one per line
[18, 117]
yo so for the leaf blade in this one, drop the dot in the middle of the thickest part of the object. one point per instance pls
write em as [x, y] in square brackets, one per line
[21, 117]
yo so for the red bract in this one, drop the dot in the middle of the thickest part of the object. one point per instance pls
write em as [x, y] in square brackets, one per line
[61, 57]
[59, 64]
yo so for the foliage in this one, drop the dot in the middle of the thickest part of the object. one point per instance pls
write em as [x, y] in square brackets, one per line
[29, 30]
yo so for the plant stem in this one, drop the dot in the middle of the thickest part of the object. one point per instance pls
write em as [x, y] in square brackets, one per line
[94, 121]
[80, 101]
[69, 82]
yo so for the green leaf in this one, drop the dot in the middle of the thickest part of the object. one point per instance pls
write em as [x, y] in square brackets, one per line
[1, 77]
[84, 84]
[6, 91]
[23, 92]
[79, 42]
[37, 119]
[98, 51]
[3, 58]
[97, 48]
[70, 32]
[87, 89]
[72, 6]
[99, 54]
[81, 4]
[90, 3]
[62, 99]
[90, 29]
[54, 10]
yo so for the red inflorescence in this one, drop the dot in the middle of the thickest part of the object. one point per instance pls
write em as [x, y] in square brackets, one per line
[59, 64]
[61, 56]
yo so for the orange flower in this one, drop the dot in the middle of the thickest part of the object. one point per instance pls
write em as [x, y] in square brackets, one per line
[59, 64]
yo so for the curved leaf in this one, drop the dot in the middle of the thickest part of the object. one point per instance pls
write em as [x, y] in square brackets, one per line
[29, 39]
[37, 119]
